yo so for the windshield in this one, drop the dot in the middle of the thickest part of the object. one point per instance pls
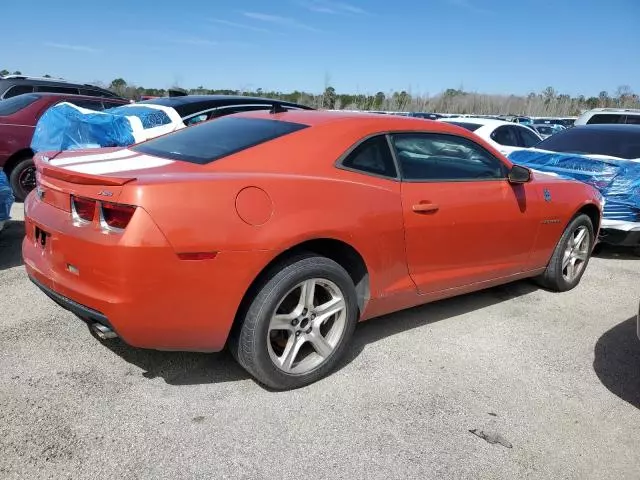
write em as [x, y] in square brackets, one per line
[15, 104]
[215, 139]
[621, 143]
[472, 127]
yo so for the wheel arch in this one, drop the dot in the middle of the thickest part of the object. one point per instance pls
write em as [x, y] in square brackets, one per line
[337, 250]
[14, 159]
[593, 212]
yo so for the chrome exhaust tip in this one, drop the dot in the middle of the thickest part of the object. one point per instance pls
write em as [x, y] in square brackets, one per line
[103, 331]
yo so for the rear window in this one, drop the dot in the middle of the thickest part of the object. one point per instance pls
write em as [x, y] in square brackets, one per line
[215, 139]
[15, 104]
[615, 143]
[472, 127]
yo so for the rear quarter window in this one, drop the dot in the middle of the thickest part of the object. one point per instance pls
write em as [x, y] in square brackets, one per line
[15, 104]
[210, 141]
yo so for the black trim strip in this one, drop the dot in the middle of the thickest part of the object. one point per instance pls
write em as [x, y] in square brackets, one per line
[73, 306]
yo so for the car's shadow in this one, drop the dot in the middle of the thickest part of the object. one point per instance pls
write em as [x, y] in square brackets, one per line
[11, 244]
[617, 361]
[614, 252]
[179, 368]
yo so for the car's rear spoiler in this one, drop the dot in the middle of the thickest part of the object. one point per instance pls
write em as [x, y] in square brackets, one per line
[83, 178]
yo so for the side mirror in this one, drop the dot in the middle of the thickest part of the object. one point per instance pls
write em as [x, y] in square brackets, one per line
[519, 174]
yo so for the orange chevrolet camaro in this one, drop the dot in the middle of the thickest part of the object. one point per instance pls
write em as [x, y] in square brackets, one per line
[274, 233]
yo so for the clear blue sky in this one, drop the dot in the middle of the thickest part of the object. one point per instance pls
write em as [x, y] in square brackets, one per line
[359, 46]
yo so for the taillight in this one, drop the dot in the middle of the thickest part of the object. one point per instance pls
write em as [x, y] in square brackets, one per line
[117, 216]
[83, 208]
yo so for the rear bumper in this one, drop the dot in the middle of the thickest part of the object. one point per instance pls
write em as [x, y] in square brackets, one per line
[81, 311]
[135, 283]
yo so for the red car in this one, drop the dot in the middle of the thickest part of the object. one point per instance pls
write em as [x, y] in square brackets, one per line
[18, 118]
[275, 233]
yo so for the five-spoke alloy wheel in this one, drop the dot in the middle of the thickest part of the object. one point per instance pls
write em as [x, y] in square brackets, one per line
[571, 256]
[296, 326]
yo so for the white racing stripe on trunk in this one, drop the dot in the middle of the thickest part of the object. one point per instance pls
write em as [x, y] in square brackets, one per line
[92, 158]
[120, 165]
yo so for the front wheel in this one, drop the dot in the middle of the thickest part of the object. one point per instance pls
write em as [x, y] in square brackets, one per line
[296, 328]
[23, 178]
[570, 257]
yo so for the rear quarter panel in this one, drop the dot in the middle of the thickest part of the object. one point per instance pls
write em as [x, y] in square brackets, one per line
[198, 215]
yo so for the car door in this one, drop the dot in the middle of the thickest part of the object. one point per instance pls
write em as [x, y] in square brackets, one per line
[464, 222]
[507, 139]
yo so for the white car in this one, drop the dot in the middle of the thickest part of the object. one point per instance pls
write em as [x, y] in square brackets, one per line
[504, 136]
[609, 115]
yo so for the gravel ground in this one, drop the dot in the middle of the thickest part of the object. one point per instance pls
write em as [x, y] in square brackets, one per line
[556, 377]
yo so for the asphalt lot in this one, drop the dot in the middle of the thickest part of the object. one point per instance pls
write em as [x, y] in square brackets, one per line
[556, 376]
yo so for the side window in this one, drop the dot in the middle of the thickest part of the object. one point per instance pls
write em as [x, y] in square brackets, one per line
[606, 118]
[111, 105]
[18, 90]
[90, 104]
[52, 89]
[529, 139]
[372, 156]
[432, 157]
[197, 119]
[633, 119]
[93, 93]
[505, 135]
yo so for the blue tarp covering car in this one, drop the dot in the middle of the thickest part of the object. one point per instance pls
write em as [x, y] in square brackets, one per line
[68, 127]
[617, 180]
[6, 199]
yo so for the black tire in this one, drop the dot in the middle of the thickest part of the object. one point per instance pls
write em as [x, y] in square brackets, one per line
[23, 168]
[553, 277]
[249, 340]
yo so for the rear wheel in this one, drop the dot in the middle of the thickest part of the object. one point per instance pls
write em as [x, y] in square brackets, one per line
[297, 326]
[570, 257]
[23, 178]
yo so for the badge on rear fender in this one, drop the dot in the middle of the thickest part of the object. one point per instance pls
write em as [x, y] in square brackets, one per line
[547, 195]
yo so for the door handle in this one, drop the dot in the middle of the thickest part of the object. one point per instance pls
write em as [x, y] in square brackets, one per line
[426, 208]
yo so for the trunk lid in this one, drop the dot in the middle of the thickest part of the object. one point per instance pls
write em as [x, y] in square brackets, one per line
[98, 174]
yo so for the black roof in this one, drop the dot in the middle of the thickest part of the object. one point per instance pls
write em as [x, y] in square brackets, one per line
[190, 104]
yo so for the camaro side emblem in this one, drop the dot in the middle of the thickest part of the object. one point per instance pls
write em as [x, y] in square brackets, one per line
[547, 195]
[105, 193]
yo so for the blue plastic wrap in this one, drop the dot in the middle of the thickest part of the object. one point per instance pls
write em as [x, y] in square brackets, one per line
[6, 197]
[149, 117]
[617, 180]
[66, 127]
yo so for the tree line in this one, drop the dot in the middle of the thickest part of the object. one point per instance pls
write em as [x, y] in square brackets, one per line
[549, 102]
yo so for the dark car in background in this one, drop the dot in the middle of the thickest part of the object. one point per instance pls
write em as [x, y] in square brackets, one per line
[606, 156]
[14, 85]
[199, 108]
[18, 118]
